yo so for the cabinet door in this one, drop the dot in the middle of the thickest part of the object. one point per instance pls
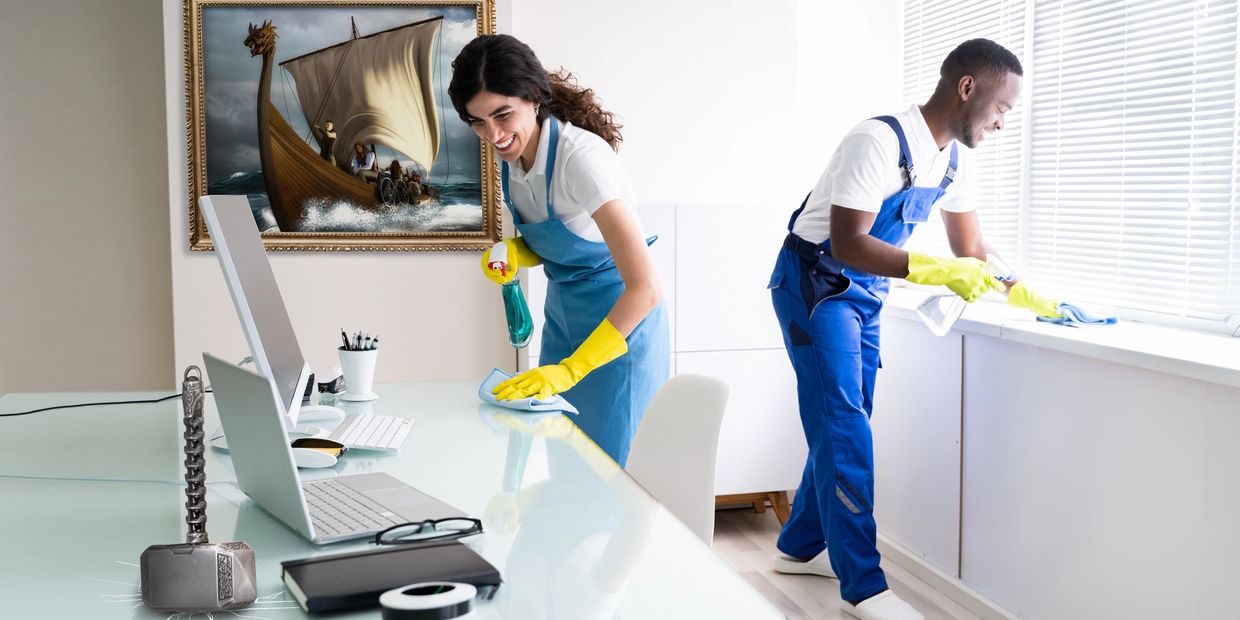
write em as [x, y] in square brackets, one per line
[761, 444]
[917, 433]
[724, 257]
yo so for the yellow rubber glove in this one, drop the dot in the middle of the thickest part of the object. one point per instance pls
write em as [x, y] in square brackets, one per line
[966, 277]
[519, 256]
[603, 345]
[1021, 297]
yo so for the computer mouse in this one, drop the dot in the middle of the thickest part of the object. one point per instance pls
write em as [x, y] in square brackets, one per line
[309, 458]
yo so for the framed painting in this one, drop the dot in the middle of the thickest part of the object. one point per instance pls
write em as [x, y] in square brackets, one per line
[333, 119]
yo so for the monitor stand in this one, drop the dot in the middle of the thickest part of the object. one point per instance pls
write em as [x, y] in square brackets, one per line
[305, 415]
[319, 413]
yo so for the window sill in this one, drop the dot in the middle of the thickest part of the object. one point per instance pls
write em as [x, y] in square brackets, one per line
[1193, 355]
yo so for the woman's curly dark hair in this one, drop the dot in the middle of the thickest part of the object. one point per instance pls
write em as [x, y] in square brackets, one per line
[501, 64]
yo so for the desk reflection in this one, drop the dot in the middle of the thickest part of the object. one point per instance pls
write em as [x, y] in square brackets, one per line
[577, 532]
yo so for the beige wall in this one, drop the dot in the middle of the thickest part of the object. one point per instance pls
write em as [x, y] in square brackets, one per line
[438, 317]
[85, 284]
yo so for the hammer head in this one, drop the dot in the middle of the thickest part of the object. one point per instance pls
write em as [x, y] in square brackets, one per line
[207, 577]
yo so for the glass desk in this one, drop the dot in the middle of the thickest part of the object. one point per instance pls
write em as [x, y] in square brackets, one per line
[84, 491]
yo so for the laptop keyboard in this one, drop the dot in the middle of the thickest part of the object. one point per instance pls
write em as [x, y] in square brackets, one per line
[337, 509]
[373, 432]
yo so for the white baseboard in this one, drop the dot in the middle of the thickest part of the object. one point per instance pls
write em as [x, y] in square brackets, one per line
[950, 586]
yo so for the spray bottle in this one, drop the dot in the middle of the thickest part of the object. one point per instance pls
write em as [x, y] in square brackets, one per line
[939, 312]
[520, 325]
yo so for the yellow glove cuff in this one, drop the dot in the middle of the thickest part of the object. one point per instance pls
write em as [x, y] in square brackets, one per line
[919, 264]
[924, 269]
[604, 345]
[526, 257]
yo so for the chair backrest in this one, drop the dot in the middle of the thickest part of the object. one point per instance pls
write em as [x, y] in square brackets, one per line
[673, 453]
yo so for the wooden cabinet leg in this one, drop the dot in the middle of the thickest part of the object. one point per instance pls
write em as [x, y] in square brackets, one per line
[778, 500]
[779, 503]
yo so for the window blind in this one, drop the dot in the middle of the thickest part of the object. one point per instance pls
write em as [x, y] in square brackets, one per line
[1117, 178]
[1133, 156]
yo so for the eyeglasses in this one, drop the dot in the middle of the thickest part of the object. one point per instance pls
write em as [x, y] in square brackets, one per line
[430, 529]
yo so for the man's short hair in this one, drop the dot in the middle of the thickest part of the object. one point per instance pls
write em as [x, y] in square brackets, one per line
[979, 56]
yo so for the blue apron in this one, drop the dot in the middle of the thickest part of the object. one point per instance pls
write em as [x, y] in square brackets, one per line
[583, 285]
[829, 315]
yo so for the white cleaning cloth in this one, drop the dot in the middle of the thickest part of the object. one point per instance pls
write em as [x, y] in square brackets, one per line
[497, 376]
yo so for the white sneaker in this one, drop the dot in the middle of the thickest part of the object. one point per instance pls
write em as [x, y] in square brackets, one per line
[883, 606]
[818, 565]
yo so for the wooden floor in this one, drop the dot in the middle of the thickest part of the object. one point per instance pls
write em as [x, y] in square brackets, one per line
[746, 541]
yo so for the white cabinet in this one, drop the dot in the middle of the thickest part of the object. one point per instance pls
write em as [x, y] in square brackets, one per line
[1095, 489]
[1054, 484]
[724, 257]
[916, 426]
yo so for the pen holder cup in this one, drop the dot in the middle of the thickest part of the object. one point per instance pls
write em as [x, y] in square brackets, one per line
[358, 368]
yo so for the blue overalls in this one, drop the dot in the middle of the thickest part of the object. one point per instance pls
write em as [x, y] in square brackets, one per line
[583, 285]
[829, 315]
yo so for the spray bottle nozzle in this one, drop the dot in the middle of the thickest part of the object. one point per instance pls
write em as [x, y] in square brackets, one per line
[940, 312]
[498, 258]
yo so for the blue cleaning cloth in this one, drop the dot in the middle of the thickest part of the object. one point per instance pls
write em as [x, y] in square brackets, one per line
[1076, 316]
[528, 405]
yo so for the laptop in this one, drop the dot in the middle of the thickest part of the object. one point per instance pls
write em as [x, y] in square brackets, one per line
[322, 511]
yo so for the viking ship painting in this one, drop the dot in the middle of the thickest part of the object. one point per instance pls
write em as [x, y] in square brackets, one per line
[371, 90]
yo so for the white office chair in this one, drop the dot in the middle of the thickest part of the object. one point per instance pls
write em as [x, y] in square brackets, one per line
[673, 453]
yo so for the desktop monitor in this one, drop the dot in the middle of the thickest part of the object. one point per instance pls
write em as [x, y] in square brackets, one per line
[264, 319]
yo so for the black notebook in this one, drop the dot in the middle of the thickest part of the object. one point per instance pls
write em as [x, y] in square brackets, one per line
[351, 580]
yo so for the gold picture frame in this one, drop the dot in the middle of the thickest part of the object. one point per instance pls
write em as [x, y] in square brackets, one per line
[425, 192]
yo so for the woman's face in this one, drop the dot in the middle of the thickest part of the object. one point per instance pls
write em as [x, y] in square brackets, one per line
[508, 123]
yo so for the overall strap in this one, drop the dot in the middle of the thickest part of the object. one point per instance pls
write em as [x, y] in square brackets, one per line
[950, 175]
[551, 149]
[906, 156]
[503, 184]
[793, 220]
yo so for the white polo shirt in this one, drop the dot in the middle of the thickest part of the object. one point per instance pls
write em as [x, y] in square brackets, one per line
[587, 175]
[865, 171]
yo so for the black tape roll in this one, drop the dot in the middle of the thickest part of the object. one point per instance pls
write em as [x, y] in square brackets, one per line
[432, 600]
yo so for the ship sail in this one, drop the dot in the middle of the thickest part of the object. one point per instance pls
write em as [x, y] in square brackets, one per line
[376, 90]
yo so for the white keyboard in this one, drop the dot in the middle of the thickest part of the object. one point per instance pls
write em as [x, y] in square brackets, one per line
[372, 432]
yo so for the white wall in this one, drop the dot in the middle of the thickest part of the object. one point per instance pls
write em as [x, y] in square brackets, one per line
[85, 290]
[725, 101]
[437, 316]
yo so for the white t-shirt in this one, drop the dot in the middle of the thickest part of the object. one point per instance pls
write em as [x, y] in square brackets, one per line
[865, 171]
[587, 175]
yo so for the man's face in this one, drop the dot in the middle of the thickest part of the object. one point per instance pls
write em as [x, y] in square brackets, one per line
[989, 101]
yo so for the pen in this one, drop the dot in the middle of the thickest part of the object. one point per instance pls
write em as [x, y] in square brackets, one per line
[345, 337]
[374, 343]
[366, 343]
